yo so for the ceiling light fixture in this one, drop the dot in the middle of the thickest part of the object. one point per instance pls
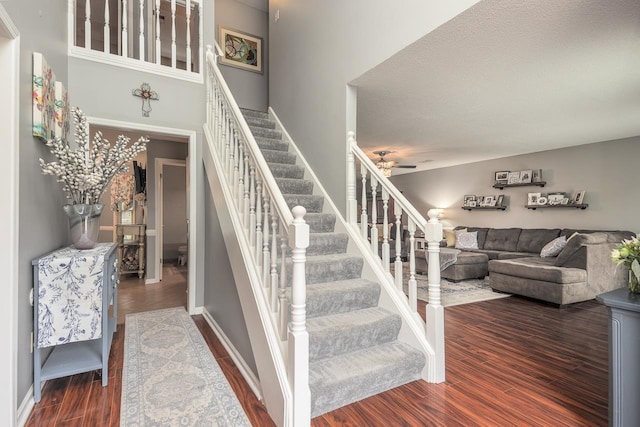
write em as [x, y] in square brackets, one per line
[385, 167]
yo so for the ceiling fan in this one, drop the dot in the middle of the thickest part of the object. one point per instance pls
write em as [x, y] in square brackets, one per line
[385, 165]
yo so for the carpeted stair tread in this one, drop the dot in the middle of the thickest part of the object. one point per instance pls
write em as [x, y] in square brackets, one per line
[337, 334]
[272, 144]
[320, 222]
[344, 379]
[330, 268]
[295, 186]
[310, 202]
[281, 157]
[246, 112]
[260, 122]
[286, 171]
[341, 296]
[327, 243]
[265, 133]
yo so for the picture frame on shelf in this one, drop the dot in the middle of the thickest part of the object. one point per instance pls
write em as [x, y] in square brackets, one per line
[468, 199]
[525, 176]
[480, 200]
[536, 175]
[513, 178]
[489, 200]
[532, 198]
[472, 203]
[578, 197]
[500, 200]
[555, 198]
[502, 177]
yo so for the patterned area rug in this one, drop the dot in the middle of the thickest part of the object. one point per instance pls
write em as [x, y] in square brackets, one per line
[452, 293]
[170, 377]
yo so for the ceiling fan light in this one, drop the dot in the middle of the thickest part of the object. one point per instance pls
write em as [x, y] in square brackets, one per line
[385, 167]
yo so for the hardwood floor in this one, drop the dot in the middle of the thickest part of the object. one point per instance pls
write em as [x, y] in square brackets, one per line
[510, 362]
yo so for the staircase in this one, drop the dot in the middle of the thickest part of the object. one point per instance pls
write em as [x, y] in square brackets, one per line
[354, 351]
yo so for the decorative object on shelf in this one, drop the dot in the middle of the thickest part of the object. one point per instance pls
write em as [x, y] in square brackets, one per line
[518, 178]
[525, 176]
[502, 177]
[532, 198]
[86, 172]
[554, 200]
[147, 96]
[468, 199]
[578, 197]
[513, 178]
[471, 202]
[542, 200]
[500, 200]
[43, 98]
[241, 50]
[536, 175]
[627, 253]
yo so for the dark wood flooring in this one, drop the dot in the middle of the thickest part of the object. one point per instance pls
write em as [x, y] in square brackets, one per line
[510, 362]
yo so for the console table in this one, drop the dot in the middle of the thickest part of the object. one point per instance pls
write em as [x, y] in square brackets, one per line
[624, 353]
[72, 292]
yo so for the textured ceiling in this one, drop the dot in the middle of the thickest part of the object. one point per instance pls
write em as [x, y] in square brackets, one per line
[506, 78]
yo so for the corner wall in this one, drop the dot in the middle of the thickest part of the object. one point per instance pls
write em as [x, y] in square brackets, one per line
[606, 170]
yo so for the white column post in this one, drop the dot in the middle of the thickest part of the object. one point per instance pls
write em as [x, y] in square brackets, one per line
[273, 286]
[173, 33]
[107, 29]
[124, 30]
[397, 268]
[374, 215]
[413, 286]
[87, 24]
[298, 335]
[158, 52]
[188, 64]
[352, 204]
[364, 218]
[141, 33]
[385, 229]
[434, 309]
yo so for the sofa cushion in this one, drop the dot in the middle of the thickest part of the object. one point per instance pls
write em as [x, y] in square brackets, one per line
[450, 237]
[576, 241]
[465, 258]
[537, 268]
[502, 239]
[466, 240]
[512, 255]
[554, 247]
[482, 234]
[533, 239]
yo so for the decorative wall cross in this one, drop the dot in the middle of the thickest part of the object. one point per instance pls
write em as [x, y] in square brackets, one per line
[147, 96]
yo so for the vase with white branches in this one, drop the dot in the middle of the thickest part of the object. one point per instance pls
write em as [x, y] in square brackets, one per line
[85, 173]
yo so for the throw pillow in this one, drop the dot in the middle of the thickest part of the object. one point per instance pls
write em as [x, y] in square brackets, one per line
[466, 240]
[554, 247]
[450, 236]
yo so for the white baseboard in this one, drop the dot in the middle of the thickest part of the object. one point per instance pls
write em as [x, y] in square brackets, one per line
[246, 372]
[25, 408]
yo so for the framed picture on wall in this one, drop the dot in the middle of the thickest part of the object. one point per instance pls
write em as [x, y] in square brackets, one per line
[241, 50]
[536, 175]
[578, 197]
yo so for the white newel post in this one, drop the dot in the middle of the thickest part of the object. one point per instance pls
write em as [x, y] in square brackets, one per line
[298, 335]
[434, 309]
[352, 203]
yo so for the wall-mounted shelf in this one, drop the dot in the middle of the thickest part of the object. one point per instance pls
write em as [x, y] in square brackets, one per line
[570, 205]
[479, 208]
[500, 185]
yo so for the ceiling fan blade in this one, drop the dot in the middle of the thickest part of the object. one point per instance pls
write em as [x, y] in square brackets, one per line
[406, 166]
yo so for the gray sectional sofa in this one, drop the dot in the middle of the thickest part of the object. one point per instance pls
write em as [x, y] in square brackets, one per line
[511, 257]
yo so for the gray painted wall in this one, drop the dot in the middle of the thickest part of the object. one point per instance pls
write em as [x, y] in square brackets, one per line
[220, 295]
[250, 89]
[317, 47]
[174, 211]
[43, 224]
[605, 170]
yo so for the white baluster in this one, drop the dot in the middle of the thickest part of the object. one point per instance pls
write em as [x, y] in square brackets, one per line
[87, 24]
[397, 210]
[374, 216]
[252, 205]
[352, 204]
[158, 42]
[364, 218]
[188, 65]
[124, 31]
[141, 32]
[245, 204]
[413, 287]
[236, 167]
[173, 33]
[283, 303]
[298, 335]
[385, 229]
[434, 309]
[265, 237]
[258, 246]
[240, 182]
[273, 286]
[107, 29]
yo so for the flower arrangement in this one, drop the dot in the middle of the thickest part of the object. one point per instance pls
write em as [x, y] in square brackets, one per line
[627, 253]
[86, 172]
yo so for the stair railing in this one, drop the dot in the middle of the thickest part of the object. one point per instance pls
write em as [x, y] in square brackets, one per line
[373, 181]
[269, 226]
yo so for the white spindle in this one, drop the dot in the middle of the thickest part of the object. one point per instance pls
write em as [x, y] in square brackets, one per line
[188, 65]
[283, 304]
[107, 28]
[87, 24]
[240, 182]
[258, 247]
[374, 215]
[173, 33]
[352, 204]
[397, 268]
[252, 205]
[364, 219]
[413, 287]
[273, 286]
[158, 42]
[265, 238]
[141, 33]
[124, 31]
[245, 204]
[434, 309]
[298, 335]
[236, 167]
[385, 229]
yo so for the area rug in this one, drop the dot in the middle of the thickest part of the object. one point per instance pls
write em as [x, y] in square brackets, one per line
[452, 293]
[170, 377]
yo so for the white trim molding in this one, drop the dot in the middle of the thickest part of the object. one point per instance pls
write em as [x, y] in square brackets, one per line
[9, 217]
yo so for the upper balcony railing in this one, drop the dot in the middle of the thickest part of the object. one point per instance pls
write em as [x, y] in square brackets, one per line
[163, 37]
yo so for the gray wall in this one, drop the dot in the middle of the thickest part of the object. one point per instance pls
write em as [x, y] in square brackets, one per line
[605, 170]
[220, 295]
[317, 47]
[174, 211]
[43, 224]
[251, 90]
